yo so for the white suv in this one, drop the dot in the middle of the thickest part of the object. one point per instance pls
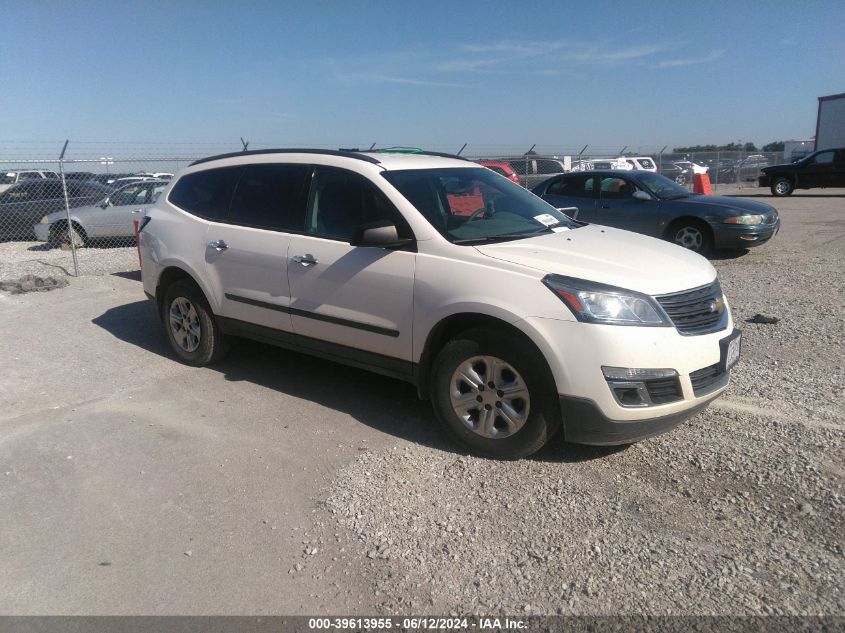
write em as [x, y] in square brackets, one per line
[512, 318]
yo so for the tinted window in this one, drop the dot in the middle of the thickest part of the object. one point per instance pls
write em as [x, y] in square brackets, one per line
[498, 170]
[573, 186]
[823, 158]
[206, 193]
[646, 163]
[29, 175]
[270, 197]
[549, 167]
[341, 201]
[519, 166]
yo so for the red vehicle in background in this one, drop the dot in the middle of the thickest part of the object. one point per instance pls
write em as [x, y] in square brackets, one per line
[502, 168]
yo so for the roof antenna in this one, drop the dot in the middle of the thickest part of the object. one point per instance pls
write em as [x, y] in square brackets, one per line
[244, 143]
[463, 147]
[372, 147]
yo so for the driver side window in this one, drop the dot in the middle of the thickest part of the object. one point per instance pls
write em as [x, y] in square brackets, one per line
[341, 201]
[613, 188]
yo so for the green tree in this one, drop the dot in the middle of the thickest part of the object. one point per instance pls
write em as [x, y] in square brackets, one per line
[774, 146]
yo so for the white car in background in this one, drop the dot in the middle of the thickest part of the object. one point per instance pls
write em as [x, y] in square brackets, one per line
[513, 319]
[642, 163]
[110, 218]
[616, 164]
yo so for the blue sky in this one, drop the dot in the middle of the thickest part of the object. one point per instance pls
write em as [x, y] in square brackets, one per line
[436, 74]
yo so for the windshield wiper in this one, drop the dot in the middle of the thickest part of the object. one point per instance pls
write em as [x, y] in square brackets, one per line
[502, 236]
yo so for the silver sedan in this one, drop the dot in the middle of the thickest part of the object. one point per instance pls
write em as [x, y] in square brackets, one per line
[110, 218]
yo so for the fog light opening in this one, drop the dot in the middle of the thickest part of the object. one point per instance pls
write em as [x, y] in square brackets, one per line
[629, 396]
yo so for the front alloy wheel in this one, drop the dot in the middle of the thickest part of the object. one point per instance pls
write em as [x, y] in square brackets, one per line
[690, 237]
[490, 397]
[782, 187]
[493, 392]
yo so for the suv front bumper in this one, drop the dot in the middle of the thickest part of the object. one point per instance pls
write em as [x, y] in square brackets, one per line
[584, 423]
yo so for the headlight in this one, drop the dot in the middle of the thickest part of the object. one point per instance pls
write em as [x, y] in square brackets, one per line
[744, 219]
[44, 220]
[596, 303]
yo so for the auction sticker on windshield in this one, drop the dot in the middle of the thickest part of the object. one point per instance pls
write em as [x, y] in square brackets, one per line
[546, 218]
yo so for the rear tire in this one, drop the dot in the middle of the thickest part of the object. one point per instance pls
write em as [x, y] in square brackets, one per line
[190, 325]
[511, 419]
[61, 237]
[782, 187]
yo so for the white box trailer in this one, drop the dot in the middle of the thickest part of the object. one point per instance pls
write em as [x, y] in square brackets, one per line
[830, 123]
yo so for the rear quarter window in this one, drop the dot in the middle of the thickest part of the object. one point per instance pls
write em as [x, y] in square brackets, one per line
[206, 193]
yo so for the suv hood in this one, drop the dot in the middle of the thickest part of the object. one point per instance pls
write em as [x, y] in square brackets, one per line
[609, 256]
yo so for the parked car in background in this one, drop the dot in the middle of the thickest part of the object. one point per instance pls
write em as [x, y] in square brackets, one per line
[10, 178]
[160, 175]
[695, 168]
[748, 169]
[110, 217]
[24, 204]
[673, 171]
[502, 168]
[651, 204]
[120, 182]
[820, 169]
[611, 163]
[79, 175]
[515, 321]
[642, 163]
[108, 179]
[533, 169]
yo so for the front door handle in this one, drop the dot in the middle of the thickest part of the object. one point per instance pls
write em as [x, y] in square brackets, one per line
[218, 245]
[304, 260]
[137, 210]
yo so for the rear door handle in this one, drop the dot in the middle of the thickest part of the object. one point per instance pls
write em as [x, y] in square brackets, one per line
[304, 260]
[218, 245]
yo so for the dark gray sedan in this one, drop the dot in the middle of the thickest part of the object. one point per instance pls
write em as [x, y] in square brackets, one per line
[651, 204]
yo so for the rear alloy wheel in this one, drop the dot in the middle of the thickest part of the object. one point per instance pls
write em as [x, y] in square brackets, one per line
[492, 395]
[692, 236]
[782, 187]
[191, 329]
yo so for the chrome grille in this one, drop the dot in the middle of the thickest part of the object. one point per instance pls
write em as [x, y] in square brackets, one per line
[692, 311]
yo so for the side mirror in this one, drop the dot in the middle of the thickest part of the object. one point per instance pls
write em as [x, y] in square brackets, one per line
[381, 234]
[105, 203]
[642, 196]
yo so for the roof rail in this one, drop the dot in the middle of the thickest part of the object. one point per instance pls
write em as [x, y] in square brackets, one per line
[329, 152]
[415, 151]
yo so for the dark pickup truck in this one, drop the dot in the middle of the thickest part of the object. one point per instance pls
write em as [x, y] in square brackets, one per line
[825, 168]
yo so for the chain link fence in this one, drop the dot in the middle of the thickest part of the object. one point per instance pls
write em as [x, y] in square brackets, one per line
[68, 209]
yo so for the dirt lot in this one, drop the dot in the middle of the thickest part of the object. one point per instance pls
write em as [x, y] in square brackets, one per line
[278, 483]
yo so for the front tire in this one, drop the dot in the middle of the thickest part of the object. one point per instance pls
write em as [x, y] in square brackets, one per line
[61, 237]
[191, 329]
[493, 395]
[692, 235]
[782, 187]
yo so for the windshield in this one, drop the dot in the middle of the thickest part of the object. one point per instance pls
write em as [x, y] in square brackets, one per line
[662, 187]
[476, 205]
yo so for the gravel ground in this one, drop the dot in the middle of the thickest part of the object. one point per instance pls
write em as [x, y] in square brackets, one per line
[740, 511]
[35, 258]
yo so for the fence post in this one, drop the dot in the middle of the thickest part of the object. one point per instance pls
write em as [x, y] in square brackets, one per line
[67, 210]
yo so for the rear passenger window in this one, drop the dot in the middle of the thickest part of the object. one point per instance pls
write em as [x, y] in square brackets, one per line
[271, 197]
[206, 193]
